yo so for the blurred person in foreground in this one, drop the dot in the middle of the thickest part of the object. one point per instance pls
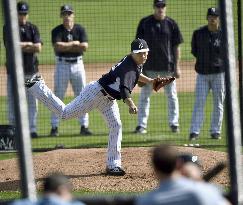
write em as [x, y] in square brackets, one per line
[174, 188]
[57, 190]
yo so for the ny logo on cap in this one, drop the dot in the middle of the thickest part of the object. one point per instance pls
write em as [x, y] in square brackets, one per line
[213, 9]
[23, 7]
[66, 7]
[194, 158]
[140, 45]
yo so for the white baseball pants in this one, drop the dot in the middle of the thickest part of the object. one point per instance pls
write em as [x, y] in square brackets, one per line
[32, 107]
[90, 98]
[144, 101]
[75, 73]
[204, 83]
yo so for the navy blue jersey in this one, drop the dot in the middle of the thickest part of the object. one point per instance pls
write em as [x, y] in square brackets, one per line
[61, 34]
[28, 33]
[122, 78]
[161, 36]
[208, 50]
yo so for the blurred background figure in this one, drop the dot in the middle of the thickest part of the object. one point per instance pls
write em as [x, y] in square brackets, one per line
[30, 44]
[163, 36]
[70, 41]
[207, 48]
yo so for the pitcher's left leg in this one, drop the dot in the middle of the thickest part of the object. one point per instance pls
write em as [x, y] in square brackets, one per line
[111, 114]
[78, 82]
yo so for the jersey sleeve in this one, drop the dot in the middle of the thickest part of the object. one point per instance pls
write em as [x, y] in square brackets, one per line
[127, 83]
[176, 35]
[4, 35]
[83, 37]
[194, 44]
[36, 35]
[56, 36]
[140, 30]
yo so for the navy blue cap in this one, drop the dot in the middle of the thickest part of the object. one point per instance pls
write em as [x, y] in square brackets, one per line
[159, 2]
[213, 11]
[22, 7]
[189, 158]
[66, 8]
[139, 45]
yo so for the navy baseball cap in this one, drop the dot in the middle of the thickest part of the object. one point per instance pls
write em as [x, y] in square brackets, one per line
[189, 158]
[159, 2]
[139, 45]
[22, 7]
[66, 8]
[213, 11]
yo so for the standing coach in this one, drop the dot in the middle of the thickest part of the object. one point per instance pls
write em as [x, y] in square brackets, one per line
[163, 37]
[30, 44]
[207, 49]
[70, 42]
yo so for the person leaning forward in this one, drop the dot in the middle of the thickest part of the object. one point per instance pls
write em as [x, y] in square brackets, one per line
[103, 94]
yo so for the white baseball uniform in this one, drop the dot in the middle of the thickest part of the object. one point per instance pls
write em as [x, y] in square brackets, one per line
[102, 95]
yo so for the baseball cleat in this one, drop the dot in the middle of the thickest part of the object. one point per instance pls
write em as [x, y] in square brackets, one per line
[54, 132]
[140, 130]
[85, 131]
[215, 136]
[116, 171]
[174, 128]
[33, 135]
[193, 136]
[34, 79]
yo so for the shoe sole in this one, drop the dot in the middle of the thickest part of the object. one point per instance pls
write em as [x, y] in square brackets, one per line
[115, 174]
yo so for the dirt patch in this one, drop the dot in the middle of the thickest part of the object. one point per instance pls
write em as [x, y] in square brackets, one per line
[95, 70]
[86, 169]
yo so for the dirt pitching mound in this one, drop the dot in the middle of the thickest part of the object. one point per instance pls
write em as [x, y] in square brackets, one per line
[86, 168]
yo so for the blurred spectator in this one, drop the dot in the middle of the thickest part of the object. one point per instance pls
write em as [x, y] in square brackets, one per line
[175, 189]
[56, 191]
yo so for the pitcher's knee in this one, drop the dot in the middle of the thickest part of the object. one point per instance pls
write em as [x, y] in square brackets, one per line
[116, 125]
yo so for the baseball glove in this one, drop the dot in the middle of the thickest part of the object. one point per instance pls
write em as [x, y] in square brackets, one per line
[160, 82]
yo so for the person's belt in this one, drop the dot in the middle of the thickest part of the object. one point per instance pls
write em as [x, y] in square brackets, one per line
[70, 60]
[106, 94]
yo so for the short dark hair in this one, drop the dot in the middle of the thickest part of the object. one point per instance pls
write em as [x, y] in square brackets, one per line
[164, 158]
[53, 181]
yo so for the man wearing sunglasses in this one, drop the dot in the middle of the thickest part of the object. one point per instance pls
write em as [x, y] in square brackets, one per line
[30, 44]
[69, 41]
[163, 37]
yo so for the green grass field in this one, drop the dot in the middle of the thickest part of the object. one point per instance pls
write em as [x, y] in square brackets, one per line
[158, 129]
[111, 26]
